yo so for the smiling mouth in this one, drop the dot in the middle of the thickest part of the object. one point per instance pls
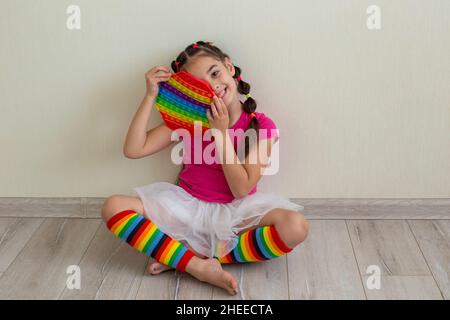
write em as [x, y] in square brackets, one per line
[223, 93]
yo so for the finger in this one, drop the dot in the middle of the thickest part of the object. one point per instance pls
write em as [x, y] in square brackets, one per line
[162, 73]
[159, 79]
[159, 74]
[223, 107]
[218, 106]
[152, 71]
[161, 68]
[222, 102]
[214, 110]
[208, 115]
[163, 76]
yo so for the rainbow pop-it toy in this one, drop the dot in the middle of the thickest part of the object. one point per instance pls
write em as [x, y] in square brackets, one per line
[184, 99]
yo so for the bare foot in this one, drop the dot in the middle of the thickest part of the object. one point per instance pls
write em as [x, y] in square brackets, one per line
[156, 268]
[210, 270]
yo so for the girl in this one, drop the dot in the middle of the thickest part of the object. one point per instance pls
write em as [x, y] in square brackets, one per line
[214, 214]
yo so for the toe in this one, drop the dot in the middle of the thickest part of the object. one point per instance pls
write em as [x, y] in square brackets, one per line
[152, 267]
[232, 284]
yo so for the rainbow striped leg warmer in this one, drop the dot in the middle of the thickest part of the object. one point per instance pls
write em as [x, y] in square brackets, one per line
[143, 235]
[259, 244]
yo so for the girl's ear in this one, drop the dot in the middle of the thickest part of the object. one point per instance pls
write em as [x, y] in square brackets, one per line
[229, 65]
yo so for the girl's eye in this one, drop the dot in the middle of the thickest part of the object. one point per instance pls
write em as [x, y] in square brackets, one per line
[215, 72]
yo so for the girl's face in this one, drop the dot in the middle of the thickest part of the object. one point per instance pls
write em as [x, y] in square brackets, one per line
[218, 74]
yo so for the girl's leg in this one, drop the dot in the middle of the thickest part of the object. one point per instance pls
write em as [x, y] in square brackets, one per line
[278, 232]
[145, 236]
[142, 234]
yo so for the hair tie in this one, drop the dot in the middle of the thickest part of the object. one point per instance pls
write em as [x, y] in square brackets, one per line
[195, 45]
[253, 115]
[239, 78]
[177, 63]
[248, 95]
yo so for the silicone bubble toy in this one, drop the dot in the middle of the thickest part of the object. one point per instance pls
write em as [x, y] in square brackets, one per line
[184, 99]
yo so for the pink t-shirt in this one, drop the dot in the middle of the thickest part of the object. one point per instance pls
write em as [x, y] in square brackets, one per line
[207, 181]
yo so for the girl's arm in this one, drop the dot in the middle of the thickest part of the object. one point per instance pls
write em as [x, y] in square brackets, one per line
[242, 177]
[139, 142]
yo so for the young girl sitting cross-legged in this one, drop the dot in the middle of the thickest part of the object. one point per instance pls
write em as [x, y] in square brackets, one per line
[213, 215]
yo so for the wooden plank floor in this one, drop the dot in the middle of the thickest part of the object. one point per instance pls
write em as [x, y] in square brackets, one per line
[412, 256]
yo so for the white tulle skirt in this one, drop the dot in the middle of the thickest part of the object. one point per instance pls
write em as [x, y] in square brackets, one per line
[210, 228]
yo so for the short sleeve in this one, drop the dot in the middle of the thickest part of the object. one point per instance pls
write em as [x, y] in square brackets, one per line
[268, 128]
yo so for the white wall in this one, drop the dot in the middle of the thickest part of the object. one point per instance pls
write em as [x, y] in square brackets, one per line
[362, 113]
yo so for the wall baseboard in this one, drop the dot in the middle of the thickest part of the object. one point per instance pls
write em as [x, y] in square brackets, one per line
[430, 208]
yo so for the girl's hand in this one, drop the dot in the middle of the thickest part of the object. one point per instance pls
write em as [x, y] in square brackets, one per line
[155, 76]
[220, 118]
